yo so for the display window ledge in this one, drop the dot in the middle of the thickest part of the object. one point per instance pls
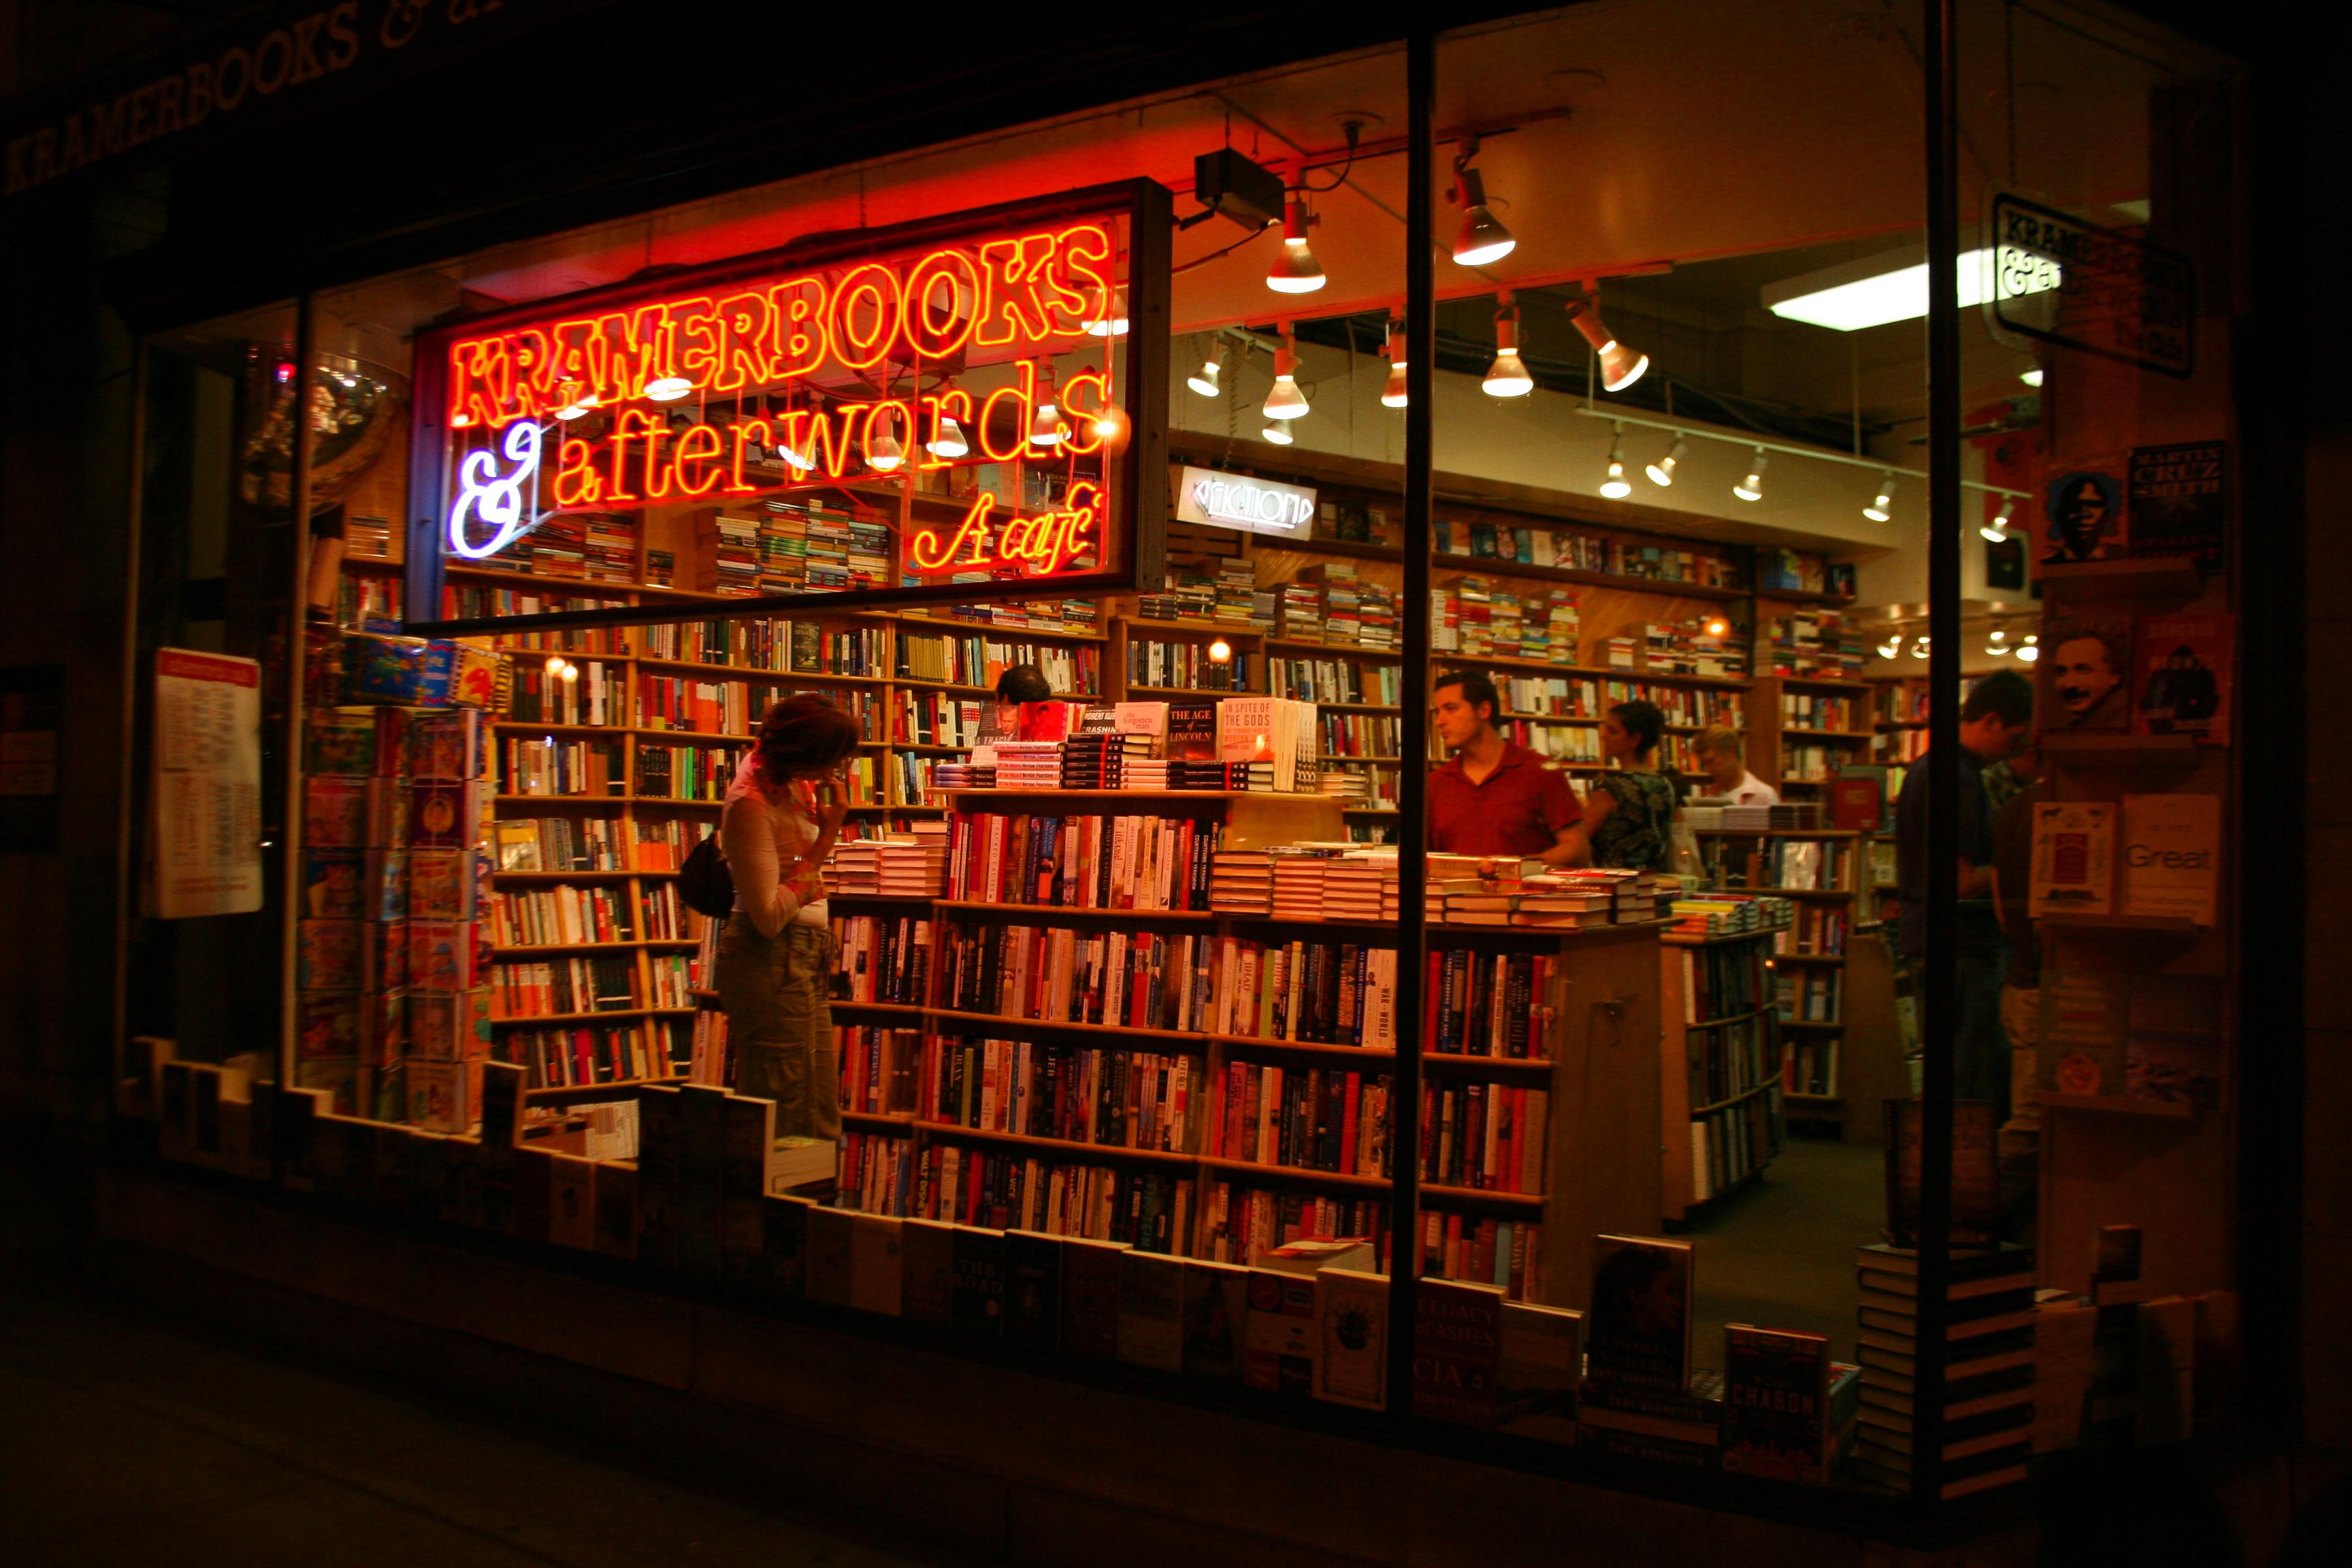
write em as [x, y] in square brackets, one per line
[1152, 1448]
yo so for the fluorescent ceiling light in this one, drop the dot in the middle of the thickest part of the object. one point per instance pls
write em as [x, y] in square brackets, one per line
[1893, 287]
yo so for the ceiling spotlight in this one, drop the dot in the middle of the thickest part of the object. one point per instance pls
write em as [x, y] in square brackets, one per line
[947, 438]
[1997, 531]
[2031, 375]
[577, 402]
[1393, 394]
[883, 453]
[1891, 647]
[1205, 380]
[1617, 487]
[1285, 401]
[1507, 376]
[2029, 650]
[1294, 268]
[668, 388]
[1621, 367]
[1661, 472]
[1918, 647]
[1482, 238]
[1997, 642]
[1112, 323]
[1277, 432]
[793, 458]
[1752, 487]
[1878, 509]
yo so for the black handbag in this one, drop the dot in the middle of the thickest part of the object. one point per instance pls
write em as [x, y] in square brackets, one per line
[705, 882]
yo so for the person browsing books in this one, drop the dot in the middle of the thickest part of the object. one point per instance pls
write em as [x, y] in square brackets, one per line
[1721, 752]
[1994, 723]
[1495, 797]
[1629, 812]
[783, 811]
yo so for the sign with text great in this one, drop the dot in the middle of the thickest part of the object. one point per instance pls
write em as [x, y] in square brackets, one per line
[951, 410]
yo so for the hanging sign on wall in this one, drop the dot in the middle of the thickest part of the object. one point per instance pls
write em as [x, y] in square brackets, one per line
[204, 838]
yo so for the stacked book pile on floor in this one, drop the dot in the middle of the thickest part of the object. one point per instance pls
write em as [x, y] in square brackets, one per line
[1987, 1394]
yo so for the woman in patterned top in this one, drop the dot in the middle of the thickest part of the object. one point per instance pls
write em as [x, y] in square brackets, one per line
[1629, 812]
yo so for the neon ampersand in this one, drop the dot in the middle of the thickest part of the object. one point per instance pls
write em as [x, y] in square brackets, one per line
[496, 499]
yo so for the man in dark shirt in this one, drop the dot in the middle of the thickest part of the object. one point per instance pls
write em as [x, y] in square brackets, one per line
[1994, 720]
[1496, 797]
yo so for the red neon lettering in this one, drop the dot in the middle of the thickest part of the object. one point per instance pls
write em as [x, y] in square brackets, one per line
[796, 308]
[690, 341]
[953, 403]
[942, 297]
[1009, 307]
[532, 362]
[628, 425]
[480, 381]
[1094, 386]
[867, 298]
[747, 434]
[577, 482]
[900, 418]
[929, 554]
[744, 353]
[1024, 393]
[1081, 294]
[814, 436]
[576, 357]
[697, 443]
[635, 344]
[658, 470]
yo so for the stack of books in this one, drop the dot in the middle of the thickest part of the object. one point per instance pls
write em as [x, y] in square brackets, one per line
[1987, 1390]
[1100, 762]
[559, 547]
[855, 866]
[1730, 914]
[1298, 872]
[965, 775]
[1562, 902]
[1241, 882]
[1197, 773]
[1301, 604]
[1360, 886]
[1796, 817]
[1745, 818]
[729, 557]
[1028, 764]
[609, 548]
[913, 865]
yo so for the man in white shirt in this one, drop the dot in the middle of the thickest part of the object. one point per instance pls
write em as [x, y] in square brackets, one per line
[1724, 758]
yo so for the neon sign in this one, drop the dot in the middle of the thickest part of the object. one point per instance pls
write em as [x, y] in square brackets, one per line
[1037, 546]
[1254, 506]
[839, 373]
[493, 499]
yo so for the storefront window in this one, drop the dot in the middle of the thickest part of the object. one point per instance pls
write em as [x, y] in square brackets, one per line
[1075, 461]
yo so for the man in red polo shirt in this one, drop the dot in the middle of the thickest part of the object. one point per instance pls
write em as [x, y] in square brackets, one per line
[1496, 797]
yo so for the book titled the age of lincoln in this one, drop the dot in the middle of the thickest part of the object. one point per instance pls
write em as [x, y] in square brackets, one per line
[2179, 501]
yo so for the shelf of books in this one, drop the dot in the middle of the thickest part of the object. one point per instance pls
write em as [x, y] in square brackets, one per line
[1166, 1020]
[1720, 1073]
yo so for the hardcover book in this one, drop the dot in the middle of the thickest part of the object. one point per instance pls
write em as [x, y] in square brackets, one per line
[1151, 1310]
[1775, 1403]
[1457, 1351]
[1638, 1329]
[2074, 858]
[1033, 1288]
[2187, 666]
[1091, 1297]
[1278, 1341]
[783, 1242]
[2179, 501]
[2171, 855]
[2085, 672]
[2173, 1052]
[1216, 1305]
[979, 1259]
[875, 1271]
[1538, 1372]
[1351, 1312]
[830, 1257]
[2086, 1017]
[927, 1263]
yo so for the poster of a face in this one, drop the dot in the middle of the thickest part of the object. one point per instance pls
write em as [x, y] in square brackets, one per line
[2084, 510]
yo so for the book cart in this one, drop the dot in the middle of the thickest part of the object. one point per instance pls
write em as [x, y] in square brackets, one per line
[1594, 1056]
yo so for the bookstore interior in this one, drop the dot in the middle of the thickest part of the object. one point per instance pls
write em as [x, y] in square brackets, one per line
[1111, 994]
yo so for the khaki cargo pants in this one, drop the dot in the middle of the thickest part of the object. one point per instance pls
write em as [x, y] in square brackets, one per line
[779, 1025]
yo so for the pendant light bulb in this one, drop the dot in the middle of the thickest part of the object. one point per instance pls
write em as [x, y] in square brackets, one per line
[577, 402]
[1661, 472]
[883, 453]
[793, 458]
[1752, 487]
[1277, 432]
[1294, 268]
[1112, 323]
[1482, 238]
[949, 441]
[1621, 366]
[1881, 506]
[1997, 531]
[1507, 376]
[668, 388]
[1205, 380]
[1617, 487]
[1392, 392]
[2032, 375]
[1045, 425]
[1891, 647]
[1997, 642]
[2031, 650]
[1285, 401]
